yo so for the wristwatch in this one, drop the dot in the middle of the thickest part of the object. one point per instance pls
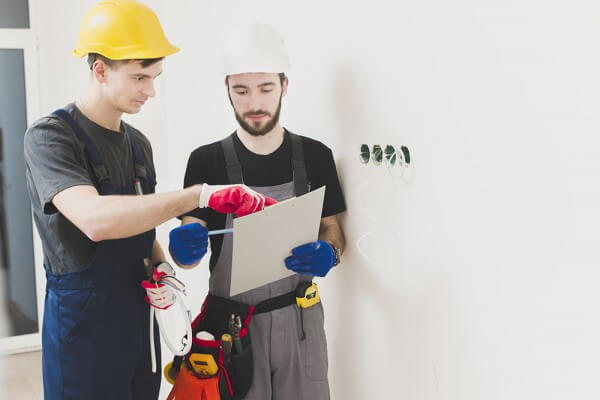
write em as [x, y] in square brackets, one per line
[337, 253]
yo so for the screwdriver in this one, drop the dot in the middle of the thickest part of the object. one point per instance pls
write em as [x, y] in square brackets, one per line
[220, 231]
[226, 343]
[236, 337]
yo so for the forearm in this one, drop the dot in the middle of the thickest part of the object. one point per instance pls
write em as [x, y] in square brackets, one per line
[158, 254]
[118, 216]
[332, 233]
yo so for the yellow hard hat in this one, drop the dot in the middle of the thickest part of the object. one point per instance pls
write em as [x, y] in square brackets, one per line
[122, 30]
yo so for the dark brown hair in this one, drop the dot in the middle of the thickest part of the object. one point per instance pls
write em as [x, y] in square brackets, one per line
[92, 57]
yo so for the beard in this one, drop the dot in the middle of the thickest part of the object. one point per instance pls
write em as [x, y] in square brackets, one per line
[254, 128]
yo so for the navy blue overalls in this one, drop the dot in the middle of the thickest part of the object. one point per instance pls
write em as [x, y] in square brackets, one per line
[95, 336]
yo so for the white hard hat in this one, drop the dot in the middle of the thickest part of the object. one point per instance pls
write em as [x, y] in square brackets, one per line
[254, 48]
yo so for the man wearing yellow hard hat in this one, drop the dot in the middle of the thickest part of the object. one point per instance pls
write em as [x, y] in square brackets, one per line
[282, 350]
[91, 182]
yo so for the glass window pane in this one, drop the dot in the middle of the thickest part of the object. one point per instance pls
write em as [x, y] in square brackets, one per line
[14, 14]
[17, 271]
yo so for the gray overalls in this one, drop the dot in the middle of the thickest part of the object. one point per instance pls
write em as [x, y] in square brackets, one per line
[286, 367]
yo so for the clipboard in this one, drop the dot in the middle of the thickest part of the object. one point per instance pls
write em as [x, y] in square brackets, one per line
[263, 240]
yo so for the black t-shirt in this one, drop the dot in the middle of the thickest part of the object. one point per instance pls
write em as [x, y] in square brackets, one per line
[207, 165]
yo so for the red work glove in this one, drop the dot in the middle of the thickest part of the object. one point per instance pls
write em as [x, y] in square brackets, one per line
[233, 199]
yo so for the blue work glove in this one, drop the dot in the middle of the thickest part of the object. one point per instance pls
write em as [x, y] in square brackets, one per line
[315, 258]
[188, 243]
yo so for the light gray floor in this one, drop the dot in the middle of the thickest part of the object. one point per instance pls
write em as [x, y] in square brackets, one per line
[21, 376]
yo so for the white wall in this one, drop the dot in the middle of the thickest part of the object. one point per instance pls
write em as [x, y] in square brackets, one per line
[475, 280]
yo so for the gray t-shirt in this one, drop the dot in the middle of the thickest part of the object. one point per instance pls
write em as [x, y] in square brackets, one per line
[55, 160]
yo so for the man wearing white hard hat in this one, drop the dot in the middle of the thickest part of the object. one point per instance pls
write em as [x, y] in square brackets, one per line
[284, 336]
[91, 182]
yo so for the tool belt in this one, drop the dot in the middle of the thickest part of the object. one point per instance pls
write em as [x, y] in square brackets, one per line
[210, 362]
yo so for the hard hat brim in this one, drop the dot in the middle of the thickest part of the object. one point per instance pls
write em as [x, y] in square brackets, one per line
[127, 53]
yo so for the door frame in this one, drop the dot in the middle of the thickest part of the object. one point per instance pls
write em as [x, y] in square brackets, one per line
[27, 40]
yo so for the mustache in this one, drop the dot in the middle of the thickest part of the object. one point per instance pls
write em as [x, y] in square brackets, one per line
[258, 112]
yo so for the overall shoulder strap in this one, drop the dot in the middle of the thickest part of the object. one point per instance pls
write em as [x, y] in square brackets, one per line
[140, 165]
[298, 166]
[93, 155]
[233, 166]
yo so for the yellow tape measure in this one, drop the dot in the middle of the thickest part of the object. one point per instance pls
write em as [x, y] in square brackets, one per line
[307, 295]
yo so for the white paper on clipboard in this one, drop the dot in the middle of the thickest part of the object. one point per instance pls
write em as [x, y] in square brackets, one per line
[262, 241]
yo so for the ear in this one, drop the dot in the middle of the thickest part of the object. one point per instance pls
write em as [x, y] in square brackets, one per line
[99, 71]
[284, 86]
